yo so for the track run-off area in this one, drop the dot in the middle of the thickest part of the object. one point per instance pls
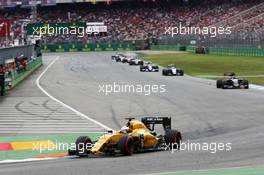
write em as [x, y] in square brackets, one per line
[66, 99]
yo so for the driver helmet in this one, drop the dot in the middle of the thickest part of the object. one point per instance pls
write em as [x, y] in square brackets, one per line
[124, 129]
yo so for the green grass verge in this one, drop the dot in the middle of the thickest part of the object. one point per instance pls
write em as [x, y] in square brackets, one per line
[213, 65]
[24, 154]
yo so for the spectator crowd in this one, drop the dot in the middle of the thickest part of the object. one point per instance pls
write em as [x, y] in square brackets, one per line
[141, 21]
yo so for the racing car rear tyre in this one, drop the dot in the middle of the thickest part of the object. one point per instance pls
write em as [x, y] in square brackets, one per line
[126, 145]
[80, 142]
[173, 139]
[229, 74]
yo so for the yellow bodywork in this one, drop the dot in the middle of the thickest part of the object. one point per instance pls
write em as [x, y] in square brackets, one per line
[136, 129]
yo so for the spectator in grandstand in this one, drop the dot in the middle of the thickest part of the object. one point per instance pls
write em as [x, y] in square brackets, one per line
[2, 80]
[136, 21]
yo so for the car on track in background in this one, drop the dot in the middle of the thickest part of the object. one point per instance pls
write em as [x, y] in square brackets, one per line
[114, 57]
[135, 61]
[232, 82]
[149, 67]
[118, 57]
[172, 70]
[127, 59]
[136, 136]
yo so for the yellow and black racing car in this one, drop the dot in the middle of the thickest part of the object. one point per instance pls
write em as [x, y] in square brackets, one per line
[136, 136]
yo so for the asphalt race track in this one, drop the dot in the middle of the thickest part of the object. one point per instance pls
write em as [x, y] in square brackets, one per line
[199, 110]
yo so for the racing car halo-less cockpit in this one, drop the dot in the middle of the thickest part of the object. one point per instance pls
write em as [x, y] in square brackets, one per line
[232, 82]
[149, 67]
[172, 70]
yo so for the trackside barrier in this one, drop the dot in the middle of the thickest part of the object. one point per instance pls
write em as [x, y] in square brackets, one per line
[191, 49]
[16, 51]
[168, 47]
[31, 67]
[213, 50]
[80, 47]
[18, 77]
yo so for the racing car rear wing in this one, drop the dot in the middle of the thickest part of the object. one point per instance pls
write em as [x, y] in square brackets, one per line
[151, 121]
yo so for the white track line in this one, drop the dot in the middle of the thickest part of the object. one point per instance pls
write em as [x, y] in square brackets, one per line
[63, 104]
[25, 160]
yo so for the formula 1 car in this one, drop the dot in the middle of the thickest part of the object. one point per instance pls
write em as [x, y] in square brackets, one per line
[114, 57]
[172, 70]
[127, 59]
[149, 67]
[232, 82]
[135, 61]
[137, 136]
[118, 57]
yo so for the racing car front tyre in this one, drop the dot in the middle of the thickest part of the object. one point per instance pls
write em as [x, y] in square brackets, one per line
[164, 72]
[181, 72]
[219, 84]
[173, 139]
[227, 84]
[246, 84]
[126, 145]
[72, 152]
[81, 143]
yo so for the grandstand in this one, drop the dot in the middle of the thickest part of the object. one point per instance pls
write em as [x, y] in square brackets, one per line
[135, 21]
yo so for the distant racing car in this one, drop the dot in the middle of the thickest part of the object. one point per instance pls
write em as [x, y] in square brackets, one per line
[172, 70]
[149, 67]
[118, 57]
[135, 61]
[127, 59]
[114, 57]
[136, 136]
[232, 82]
